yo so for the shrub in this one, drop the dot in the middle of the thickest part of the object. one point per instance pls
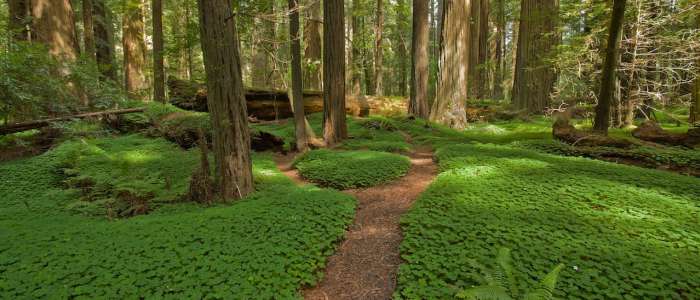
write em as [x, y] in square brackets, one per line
[351, 169]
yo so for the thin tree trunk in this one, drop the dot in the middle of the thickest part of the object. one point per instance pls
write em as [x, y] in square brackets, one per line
[449, 106]
[297, 84]
[378, 50]
[695, 105]
[534, 78]
[401, 46]
[158, 68]
[500, 45]
[355, 61]
[418, 104]
[312, 52]
[104, 41]
[227, 106]
[334, 124]
[88, 30]
[19, 19]
[188, 42]
[607, 84]
[134, 49]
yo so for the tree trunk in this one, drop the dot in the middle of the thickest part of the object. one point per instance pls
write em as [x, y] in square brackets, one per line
[478, 42]
[355, 53]
[608, 79]
[264, 49]
[104, 41]
[418, 104]
[231, 139]
[188, 43]
[312, 42]
[134, 49]
[297, 84]
[695, 105]
[334, 126]
[378, 50]
[88, 30]
[158, 68]
[537, 37]
[402, 28]
[19, 19]
[500, 45]
[452, 93]
[54, 26]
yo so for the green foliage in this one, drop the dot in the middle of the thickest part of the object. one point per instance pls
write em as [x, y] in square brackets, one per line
[351, 169]
[263, 247]
[623, 231]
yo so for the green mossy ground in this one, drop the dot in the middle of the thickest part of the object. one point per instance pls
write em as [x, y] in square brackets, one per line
[351, 169]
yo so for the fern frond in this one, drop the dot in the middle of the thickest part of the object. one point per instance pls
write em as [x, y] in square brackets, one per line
[485, 292]
[545, 289]
[505, 267]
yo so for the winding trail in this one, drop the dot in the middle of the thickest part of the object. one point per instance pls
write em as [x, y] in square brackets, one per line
[366, 262]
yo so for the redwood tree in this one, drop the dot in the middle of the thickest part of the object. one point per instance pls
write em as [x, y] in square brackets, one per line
[134, 49]
[312, 43]
[54, 26]
[607, 83]
[334, 125]
[449, 106]
[226, 101]
[158, 69]
[88, 29]
[378, 49]
[297, 84]
[537, 37]
[104, 40]
[418, 105]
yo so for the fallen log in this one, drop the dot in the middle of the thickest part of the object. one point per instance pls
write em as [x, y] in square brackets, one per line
[18, 127]
[562, 130]
[262, 104]
[651, 131]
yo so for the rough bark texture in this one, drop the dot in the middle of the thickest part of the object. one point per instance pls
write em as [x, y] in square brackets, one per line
[334, 125]
[418, 104]
[608, 80]
[478, 42]
[537, 37]
[19, 19]
[378, 50]
[449, 106]
[134, 49]
[53, 25]
[88, 29]
[104, 40]
[158, 68]
[231, 139]
[312, 52]
[297, 84]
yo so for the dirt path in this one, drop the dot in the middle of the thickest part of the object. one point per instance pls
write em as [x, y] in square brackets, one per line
[366, 262]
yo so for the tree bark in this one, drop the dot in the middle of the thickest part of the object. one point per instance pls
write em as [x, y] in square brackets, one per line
[378, 50]
[312, 52]
[355, 53]
[608, 79]
[54, 26]
[88, 29]
[401, 51]
[297, 84]
[231, 139]
[134, 49]
[19, 19]
[158, 68]
[418, 104]
[334, 124]
[452, 92]
[478, 42]
[104, 41]
[537, 37]
[499, 51]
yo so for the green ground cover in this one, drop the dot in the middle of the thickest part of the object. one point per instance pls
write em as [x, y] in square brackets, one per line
[351, 169]
[265, 246]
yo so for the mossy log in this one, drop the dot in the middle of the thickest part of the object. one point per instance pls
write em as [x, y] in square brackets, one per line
[652, 132]
[563, 130]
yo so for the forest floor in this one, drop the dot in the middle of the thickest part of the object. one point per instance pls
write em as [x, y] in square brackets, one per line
[366, 263]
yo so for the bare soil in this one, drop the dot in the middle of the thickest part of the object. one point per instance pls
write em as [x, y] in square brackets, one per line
[366, 262]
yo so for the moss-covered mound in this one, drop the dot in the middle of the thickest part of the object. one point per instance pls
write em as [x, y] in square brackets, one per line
[351, 169]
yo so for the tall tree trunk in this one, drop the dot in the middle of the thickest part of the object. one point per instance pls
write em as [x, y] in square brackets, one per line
[378, 50]
[695, 105]
[355, 54]
[482, 70]
[312, 42]
[402, 27]
[188, 42]
[500, 45]
[297, 84]
[226, 101]
[537, 37]
[104, 41]
[54, 26]
[88, 29]
[19, 19]
[478, 42]
[134, 49]
[158, 68]
[334, 125]
[418, 104]
[608, 78]
[452, 92]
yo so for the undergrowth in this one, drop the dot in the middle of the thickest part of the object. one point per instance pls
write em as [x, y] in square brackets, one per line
[351, 169]
[265, 246]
